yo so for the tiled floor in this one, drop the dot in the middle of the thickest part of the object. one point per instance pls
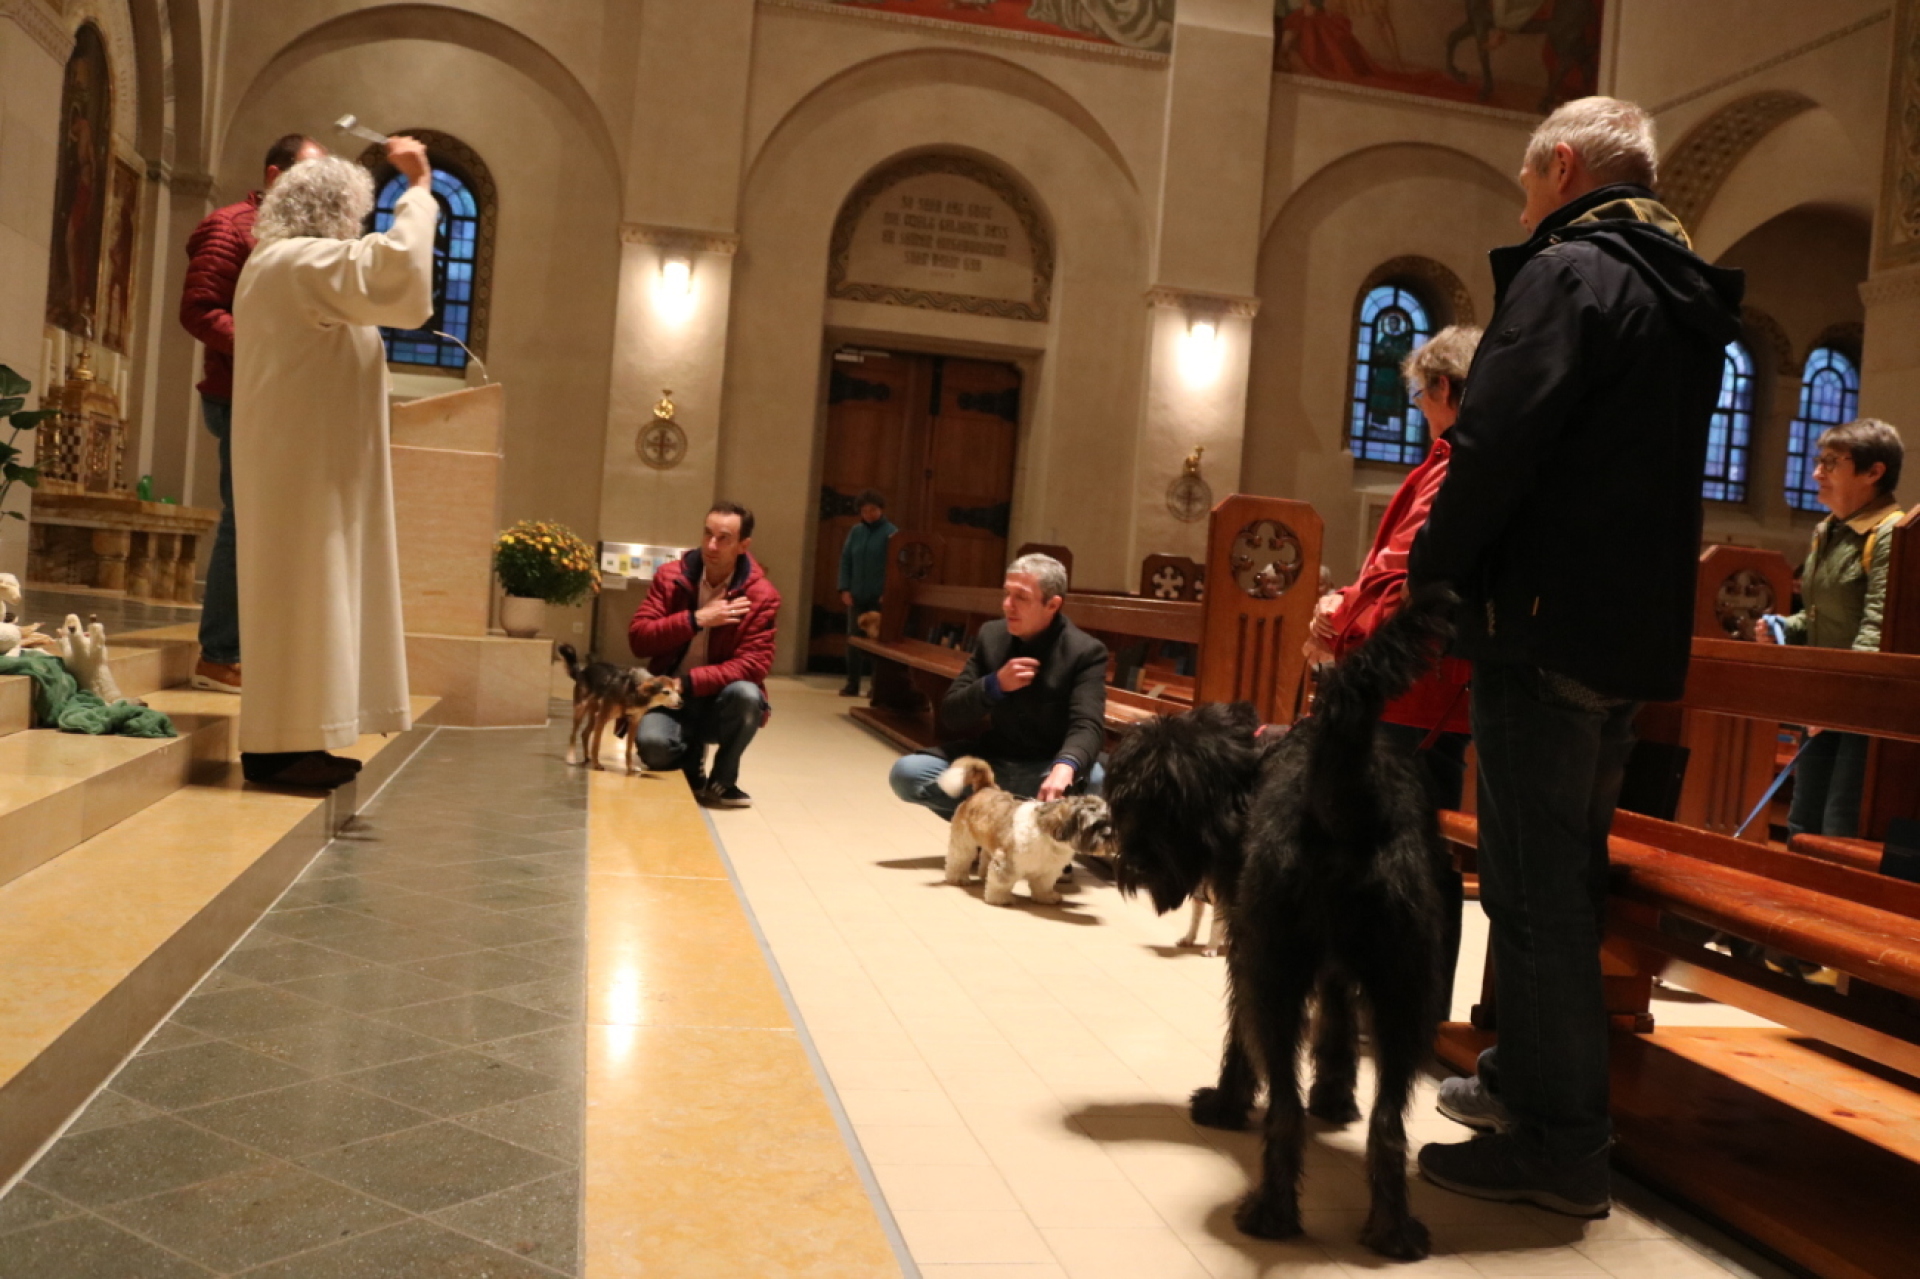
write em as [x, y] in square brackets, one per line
[382, 1079]
[1017, 1077]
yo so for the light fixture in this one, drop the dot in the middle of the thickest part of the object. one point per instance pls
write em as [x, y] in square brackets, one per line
[1201, 349]
[676, 274]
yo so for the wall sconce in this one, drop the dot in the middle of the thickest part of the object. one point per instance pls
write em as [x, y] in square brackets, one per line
[1201, 349]
[676, 275]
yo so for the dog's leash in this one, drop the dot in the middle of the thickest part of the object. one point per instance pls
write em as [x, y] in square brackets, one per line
[1439, 729]
[1774, 789]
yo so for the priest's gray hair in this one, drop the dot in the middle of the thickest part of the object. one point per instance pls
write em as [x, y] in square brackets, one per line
[328, 198]
[1050, 573]
[1614, 139]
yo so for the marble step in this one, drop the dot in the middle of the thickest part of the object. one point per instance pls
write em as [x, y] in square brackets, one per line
[16, 704]
[58, 789]
[98, 944]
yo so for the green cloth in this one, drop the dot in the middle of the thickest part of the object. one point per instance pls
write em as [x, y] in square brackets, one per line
[1846, 599]
[58, 702]
[863, 560]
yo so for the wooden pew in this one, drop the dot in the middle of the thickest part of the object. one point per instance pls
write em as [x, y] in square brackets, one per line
[1263, 546]
[1801, 1138]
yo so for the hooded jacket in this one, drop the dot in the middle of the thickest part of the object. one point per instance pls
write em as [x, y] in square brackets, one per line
[663, 627]
[1573, 495]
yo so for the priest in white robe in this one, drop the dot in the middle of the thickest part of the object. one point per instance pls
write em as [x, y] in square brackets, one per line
[318, 563]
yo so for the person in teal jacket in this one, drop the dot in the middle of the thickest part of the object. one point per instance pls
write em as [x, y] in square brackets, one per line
[863, 575]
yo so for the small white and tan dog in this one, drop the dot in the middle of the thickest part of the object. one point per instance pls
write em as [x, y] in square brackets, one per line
[1006, 839]
[1203, 897]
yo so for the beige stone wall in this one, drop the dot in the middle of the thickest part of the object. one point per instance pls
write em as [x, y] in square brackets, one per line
[557, 252]
[731, 131]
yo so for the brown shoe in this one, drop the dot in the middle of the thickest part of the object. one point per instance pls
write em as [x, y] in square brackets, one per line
[216, 677]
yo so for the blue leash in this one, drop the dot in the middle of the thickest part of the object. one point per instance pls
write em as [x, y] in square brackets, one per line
[1774, 789]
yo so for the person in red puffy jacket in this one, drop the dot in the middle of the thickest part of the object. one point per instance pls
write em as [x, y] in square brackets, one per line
[1429, 723]
[217, 251]
[709, 619]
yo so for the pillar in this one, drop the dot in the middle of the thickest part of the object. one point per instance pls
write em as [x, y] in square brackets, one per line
[1890, 363]
[1205, 256]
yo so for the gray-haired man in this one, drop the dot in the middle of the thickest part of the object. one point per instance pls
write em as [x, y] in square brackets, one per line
[1031, 701]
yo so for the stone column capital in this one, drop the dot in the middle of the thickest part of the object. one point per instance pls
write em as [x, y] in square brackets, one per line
[47, 31]
[683, 239]
[1202, 301]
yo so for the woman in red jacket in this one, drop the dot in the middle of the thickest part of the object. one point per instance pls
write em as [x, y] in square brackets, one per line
[1430, 722]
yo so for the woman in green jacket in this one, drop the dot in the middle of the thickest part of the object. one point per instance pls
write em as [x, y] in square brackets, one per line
[1843, 587]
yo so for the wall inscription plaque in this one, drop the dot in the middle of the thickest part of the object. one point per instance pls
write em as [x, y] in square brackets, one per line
[943, 233]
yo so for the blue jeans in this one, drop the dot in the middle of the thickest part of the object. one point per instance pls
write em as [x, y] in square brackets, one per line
[679, 739]
[220, 608]
[915, 778]
[1827, 786]
[1551, 764]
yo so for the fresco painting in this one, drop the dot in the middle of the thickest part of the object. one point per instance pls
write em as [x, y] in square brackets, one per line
[80, 191]
[1133, 24]
[122, 230]
[1527, 55]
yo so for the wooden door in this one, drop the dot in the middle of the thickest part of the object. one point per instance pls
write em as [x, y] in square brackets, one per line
[937, 435]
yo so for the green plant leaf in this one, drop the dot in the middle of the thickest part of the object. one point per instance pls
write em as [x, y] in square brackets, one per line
[7, 453]
[12, 383]
[27, 475]
[32, 418]
[12, 404]
[15, 515]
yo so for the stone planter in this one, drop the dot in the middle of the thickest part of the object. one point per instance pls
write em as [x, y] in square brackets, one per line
[522, 616]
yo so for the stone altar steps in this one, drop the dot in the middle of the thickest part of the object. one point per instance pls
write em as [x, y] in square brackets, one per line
[127, 869]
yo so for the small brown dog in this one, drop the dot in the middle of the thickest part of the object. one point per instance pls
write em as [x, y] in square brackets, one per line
[1008, 839]
[604, 693]
[869, 624]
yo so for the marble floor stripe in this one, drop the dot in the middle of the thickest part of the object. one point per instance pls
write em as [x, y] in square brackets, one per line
[383, 1078]
[705, 1109]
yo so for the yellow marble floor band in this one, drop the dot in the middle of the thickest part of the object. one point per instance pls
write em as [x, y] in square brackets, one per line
[711, 1149]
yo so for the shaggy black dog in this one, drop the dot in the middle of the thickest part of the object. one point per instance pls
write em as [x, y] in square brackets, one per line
[1325, 849]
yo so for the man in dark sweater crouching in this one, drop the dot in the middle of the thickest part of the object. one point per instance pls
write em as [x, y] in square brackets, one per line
[1031, 702]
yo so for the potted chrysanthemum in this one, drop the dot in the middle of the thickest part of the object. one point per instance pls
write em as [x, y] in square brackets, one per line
[540, 563]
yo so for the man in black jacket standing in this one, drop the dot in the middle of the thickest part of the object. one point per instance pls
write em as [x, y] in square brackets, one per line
[1031, 702]
[1569, 523]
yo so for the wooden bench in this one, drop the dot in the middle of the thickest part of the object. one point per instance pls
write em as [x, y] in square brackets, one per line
[1247, 641]
[1768, 1130]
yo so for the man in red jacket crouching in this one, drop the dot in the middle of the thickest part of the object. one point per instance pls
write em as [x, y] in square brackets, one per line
[708, 619]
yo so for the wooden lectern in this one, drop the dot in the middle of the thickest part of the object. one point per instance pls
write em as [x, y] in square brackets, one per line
[448, 461]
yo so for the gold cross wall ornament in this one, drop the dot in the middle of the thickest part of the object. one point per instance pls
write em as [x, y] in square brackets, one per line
[662, 443]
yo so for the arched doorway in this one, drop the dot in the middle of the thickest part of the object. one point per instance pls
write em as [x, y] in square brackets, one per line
[937, 434]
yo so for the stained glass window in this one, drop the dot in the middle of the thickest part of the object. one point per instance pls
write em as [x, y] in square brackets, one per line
[1731, 432]
[1383, 424]
[454, 252]
[1829, 396]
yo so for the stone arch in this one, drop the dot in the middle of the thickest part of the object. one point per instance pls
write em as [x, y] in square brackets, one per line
[1353, 217]
[1694, 170]
[1083, 361]
[1768, 341]
[949, 67]
[1438, 287]
[1846, 337]
[466, 164]
[445, 25]
[1018, 197]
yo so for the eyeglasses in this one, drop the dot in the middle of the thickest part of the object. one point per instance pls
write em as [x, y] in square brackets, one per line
[1829, 462]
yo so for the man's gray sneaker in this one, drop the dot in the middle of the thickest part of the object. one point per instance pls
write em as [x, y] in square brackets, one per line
[1469, 1101]
[1492, 1166]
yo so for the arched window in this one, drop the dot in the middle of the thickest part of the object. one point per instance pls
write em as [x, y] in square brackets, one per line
[1731, 433]
[1383, 425]
[462, 250]
[1829, 396]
